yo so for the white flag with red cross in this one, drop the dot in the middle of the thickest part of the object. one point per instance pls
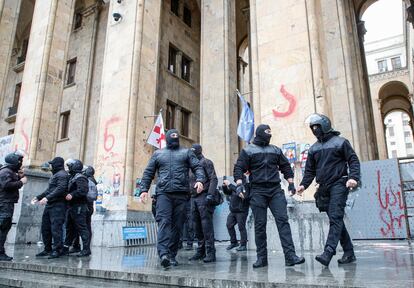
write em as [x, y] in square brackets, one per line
[157, 136]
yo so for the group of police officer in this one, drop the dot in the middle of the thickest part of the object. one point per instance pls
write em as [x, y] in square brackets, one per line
[68, 202]
[331, 160]
[185, 175]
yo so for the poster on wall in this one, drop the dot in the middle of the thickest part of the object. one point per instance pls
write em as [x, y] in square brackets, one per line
[289, 150]
[303, 156]
[5, 147]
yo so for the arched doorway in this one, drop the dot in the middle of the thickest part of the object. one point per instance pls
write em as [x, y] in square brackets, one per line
[384, 52]
[397, 118]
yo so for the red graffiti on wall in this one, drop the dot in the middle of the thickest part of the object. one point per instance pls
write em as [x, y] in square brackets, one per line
[109, 139]
[292, 104]
[25, 137]
[390, 201]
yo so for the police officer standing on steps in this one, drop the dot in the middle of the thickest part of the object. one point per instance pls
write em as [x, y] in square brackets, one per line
[89, 172]
[172, 166]
[334, 163]
[11, 180]
[264, 161]
[77, 208]
[202, 204]
[55, 210]
[239, 210]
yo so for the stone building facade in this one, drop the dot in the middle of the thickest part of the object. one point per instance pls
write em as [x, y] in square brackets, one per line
[84, 78]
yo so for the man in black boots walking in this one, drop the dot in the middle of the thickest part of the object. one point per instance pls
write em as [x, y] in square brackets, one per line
[264, 161]
[172, 165]
[334, 163]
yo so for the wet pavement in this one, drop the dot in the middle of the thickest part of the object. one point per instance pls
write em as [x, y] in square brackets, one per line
[379, 264]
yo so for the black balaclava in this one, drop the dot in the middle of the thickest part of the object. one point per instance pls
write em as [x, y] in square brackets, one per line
[198, 150]
[172, 143]
[75, 166]
[57, 164]
[262, 138]
[318, 132]
[13, 161]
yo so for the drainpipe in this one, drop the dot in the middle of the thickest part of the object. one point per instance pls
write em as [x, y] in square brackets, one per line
[133, 98]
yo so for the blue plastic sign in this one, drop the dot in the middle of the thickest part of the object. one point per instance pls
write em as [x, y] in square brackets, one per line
[137, 232]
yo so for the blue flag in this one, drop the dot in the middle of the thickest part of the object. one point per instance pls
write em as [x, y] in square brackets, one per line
[245, 129]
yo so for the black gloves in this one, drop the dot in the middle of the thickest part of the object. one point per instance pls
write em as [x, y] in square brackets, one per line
[292, 188]
[240, 189]
[210, 199]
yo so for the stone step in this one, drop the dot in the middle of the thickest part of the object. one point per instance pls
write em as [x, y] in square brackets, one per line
[18, 278]
[20, 274]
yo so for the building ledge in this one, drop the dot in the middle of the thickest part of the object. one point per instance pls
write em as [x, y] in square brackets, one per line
[389, 74]
[181, 80]
[19, 67]
[11, 118]
[62, 140]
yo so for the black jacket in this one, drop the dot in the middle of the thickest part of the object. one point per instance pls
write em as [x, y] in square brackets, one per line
[172, 167]
[57, 189]
[329, 160]
[237, 204]
[9, 185]
[210, 184]
[264, 163]
[78, 187]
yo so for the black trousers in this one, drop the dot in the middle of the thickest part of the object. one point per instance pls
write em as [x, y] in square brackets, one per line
[76, 243]
[274, 199]
[170, 214]
[76, 223]
[336, 212]
[203, 223]
[6, 216]
[238, 219]
[52, 226]
[188, 231]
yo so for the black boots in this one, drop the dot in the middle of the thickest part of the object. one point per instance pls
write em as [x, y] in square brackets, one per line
[241, 248]
[347, 258]
[53, 255]
[210, 255]
[4, 257]
[43, 253]
[294, 260]
[261, 262]
[231, 246]
[84, 253]
[197, 256]
[324, 258]
[165, 261]
[173, 261]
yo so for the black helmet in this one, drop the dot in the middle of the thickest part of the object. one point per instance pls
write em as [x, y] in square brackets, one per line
[89, 171]
[74, 166]
[321, 120]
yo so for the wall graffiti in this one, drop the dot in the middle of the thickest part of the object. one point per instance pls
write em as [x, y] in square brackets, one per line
[110, 163]
[392, 208]
[292, 104]
[23, 135]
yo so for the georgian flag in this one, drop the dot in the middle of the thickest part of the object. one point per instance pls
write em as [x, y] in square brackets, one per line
[157, 136]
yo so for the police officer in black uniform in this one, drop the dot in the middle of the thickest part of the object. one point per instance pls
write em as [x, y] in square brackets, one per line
[264, 161]
[11, 180]
[239, 210]
[203, 209]
[334, 163]
[54, 214]
[172, 166]
[76, 220]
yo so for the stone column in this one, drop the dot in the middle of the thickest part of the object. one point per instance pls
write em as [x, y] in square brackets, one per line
[43, 80]
[219, 83]
[127, 95]
[283, 90]
[9, 15]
